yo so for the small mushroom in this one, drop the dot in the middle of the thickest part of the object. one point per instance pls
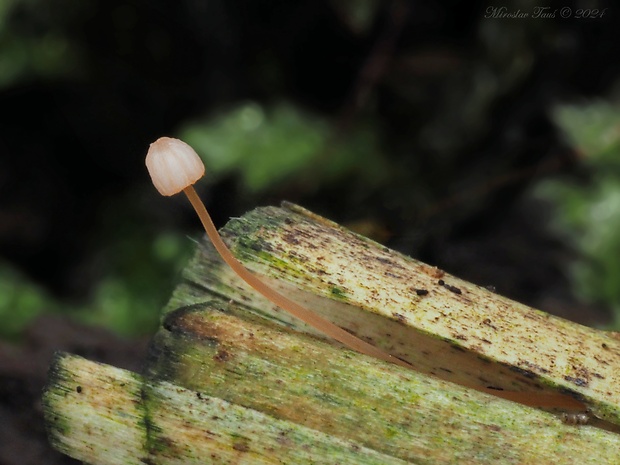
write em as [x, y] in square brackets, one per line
[174, 167]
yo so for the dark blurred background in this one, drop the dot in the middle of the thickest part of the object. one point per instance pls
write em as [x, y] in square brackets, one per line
[464, 134]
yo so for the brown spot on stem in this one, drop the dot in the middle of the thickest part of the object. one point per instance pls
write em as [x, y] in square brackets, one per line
[241, 445]
[451, 288]
[577, 381]
[291, 238]
[222, 356]
[533, 366]
[433, 271]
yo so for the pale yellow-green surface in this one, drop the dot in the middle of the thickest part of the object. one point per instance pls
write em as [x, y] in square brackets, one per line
[222, 347]
[91, 411]
[390, 409]
[103, 415]
[474, 337]
[242, 392]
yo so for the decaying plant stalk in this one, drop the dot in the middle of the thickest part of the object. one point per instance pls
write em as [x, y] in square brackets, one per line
[222, 344]
[438, 323]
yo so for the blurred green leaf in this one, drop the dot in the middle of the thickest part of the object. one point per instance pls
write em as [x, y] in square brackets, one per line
[28, 51]
[138, 279]
[588, 214]
[20, 301]
[266, 146]
[593, 129]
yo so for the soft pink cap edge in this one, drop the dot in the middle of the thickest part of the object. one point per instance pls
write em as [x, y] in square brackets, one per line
[173, 165]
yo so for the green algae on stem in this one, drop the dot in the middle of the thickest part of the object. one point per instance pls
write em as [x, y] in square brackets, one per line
[105, 424]
[219, 350]
[221, 346]
[476, 338]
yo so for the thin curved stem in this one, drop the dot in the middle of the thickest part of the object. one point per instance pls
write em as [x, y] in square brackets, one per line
[535, 399]
[307, 316]
[330, 329]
